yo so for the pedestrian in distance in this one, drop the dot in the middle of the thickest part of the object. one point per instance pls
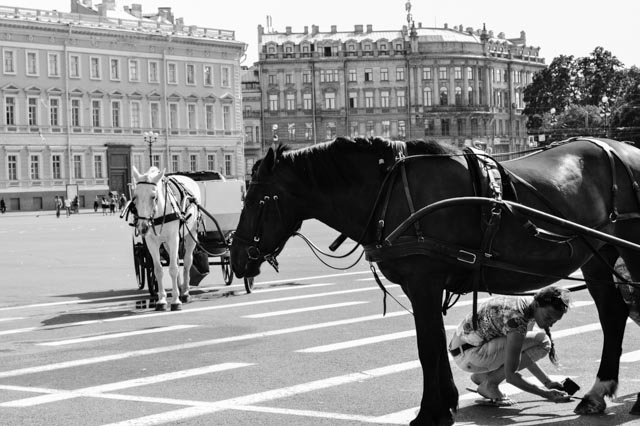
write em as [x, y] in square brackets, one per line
[67, 205]
[96, 203]
[57, 204]
[503, 343]
[3, 206]
[105, 205]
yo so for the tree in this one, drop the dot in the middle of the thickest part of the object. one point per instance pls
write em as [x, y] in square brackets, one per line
[599, 74]
[625, 120]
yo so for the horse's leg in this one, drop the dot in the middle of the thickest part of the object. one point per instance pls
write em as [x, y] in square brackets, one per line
[172, 245]
[613, 313]
[440, 396]
[161, 295]
[189, 245]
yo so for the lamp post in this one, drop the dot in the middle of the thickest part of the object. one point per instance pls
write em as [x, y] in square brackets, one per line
[274, 134]
[605, 112]
[553, 121]
[150, 138]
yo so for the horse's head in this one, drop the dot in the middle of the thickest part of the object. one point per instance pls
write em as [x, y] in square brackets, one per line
[271, 214]
[145, 197]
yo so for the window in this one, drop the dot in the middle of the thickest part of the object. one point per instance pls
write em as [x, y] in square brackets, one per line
[353, 129]
[172, 75]
[54, 111]
[308, 131]
[97, 166]
[331, 130]
[458, 95]
[56, 166]
[191, 74]
[399, 74]
[384, 99]
[368, 99]
[74, 66]
[225, 77]
[442, 73]
[429, 128]
[353, 100]
[96, 113]
[10, 110]
[371, 130]
[445, 124]
[427, 97]
[115, 114]
[32, 111]
[368, 74]
[191, 117]
[288, 79]
[470, 96]
[461, 127]
[353, 75]
[306, 101]
[211, 161]
[114, 69]
[155, 160]
[469, 73]
[75, 112]
[227, 164]
[401, 99]
[8, 61]
[248, 134]
[154, 110]
[153, 71]
[53, 64]
[193, 162]
[444, 96]
[306, 77]
[386, 128]
[34, 167]
[402, 129]
[291, 101]
[32, 63]
[291, 131]
[134, 70]
[457, 73]
[77, 166]
[175, 162]
[273, 102]
[208, 109]
[94, 72]
[137, 161]
[426, 73]
[173, 116]
[207, 73]
[474, 127]
[330, 100]
[328, 76]
[272, 79]
[384, 74]
[226, 117]
[135, 114]
[12, 167]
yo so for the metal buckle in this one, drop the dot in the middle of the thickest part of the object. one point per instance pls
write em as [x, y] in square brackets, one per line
[466, 257]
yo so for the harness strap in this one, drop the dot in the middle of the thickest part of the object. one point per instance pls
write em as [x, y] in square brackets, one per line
[407, 193]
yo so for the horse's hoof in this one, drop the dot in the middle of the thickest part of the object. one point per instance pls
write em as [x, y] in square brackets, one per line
[161, 307]
[635, 410]
[185, 298]
[176, 306]
[590, 405]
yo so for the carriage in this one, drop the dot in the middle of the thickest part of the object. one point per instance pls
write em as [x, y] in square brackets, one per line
[220, 208]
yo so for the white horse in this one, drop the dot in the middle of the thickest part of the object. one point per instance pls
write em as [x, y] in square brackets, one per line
[164, 211]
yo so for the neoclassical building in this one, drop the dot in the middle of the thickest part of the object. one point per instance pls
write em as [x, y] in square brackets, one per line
[79, 90]
[459, 85]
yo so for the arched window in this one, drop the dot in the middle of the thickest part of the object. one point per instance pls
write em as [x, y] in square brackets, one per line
[427, 99]
[470, 96]
[444, 96]
[458, 96]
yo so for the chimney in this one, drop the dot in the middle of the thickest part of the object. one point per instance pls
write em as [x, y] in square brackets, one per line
[470, 30]
[165, 13]
[179, 24]
[419, 24]
[369, 28]
[501, 36]
[306, 29]
[334, 29]
[288, 30]
[358, 29]
[102, 9]
[523, 37]
[109, 4]
[136, 10]
[446, 26]
[490, 33]
[314, 29]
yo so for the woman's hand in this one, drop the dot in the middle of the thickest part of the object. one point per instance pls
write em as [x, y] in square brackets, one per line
[557, 396]
[554, 385]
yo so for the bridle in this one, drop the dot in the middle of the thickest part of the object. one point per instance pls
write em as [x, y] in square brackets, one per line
[253, 244]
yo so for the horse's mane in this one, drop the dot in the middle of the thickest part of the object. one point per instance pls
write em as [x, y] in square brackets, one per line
[150, 174]
[323, 164]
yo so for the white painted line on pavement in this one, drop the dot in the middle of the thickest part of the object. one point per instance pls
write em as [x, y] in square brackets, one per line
[307, 309]
[70, 302]
[630, 357]
[192, 345]
[19, 330]
[110, 387]
[359, 342]
[306, 413]
[11, 319]
[117, 335]
[257, 398]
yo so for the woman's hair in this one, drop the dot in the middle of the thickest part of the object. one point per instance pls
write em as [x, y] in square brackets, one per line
[558, 298]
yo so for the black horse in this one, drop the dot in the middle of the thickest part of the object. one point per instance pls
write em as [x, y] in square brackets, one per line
[366, 188]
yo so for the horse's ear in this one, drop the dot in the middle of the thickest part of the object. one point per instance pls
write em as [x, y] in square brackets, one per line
[159, 176]
[136, 174]
[268, 162]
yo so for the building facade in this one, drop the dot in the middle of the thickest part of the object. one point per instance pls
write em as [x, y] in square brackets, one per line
[80, 90]
[252, 115]
[460, 86]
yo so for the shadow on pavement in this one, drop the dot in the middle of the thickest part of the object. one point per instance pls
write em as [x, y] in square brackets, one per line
[86, 316]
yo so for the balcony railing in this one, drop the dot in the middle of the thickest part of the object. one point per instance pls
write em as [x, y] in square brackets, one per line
[45, 131]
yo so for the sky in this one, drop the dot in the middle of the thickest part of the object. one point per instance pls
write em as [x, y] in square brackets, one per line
[558, 27]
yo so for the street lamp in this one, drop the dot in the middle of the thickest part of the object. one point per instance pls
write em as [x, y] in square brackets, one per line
[150, 138]
[274, 134]
[605, 112]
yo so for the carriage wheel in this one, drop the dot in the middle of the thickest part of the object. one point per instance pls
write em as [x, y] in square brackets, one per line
[138, 263]
[248, 284]
[227, 275]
